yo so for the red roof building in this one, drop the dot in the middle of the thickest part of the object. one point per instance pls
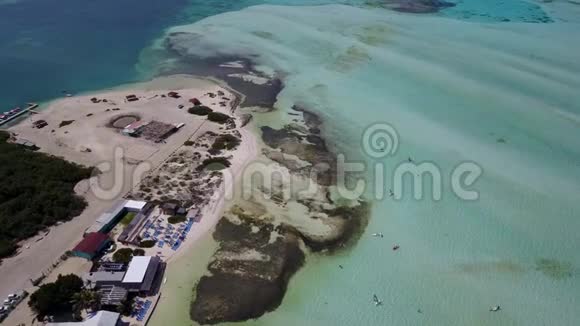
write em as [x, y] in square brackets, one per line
[91, 245]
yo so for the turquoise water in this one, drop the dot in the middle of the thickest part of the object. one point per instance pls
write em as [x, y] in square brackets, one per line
[452, 89]
[452, 84]
[49, 46]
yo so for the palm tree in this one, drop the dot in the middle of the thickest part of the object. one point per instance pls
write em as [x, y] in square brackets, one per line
[86, 299]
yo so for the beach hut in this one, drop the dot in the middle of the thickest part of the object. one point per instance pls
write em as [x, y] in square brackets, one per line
[91, 245]
[170, 208]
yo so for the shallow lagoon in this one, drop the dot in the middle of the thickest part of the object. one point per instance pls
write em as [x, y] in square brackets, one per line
[502, 95]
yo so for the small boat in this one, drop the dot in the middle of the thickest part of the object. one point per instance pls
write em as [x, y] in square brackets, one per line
[379, 235]
[396, 247]
[377, 301]
[495, 308]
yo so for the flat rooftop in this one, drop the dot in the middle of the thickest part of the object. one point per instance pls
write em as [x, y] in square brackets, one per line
[135, 204]
[137, 269]
[104, 276]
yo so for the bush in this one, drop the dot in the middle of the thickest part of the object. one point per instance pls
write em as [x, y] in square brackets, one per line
[218, 117]
[226, 141]
[57, 297]
[176, 219]
[200, 110]
[123, 255]
[138, 252]
[188, 143]
[147, 243]
[65, 123]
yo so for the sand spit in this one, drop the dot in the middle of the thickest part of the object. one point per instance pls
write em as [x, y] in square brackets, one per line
[81, 129]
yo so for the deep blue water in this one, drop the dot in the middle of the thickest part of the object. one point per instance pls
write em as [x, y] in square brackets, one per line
[47, 46]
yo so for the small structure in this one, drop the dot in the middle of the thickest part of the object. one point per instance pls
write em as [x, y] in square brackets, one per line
[142, 274]
[181, 211]
[102, 318]
[92, 244]
[170, 208]
[130, 232]
[99, 279]
[108, 220]
[134, 128]
[25, 143]
[195, 101]
[112, 295]
[173, 94]
[157, 131]
[112, 267]
[179, 125]
[132, 98]
[194, 214]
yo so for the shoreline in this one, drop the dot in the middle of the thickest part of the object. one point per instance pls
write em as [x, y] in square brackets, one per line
[71, 232]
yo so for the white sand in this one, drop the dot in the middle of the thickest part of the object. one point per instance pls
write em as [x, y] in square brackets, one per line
[92, 132]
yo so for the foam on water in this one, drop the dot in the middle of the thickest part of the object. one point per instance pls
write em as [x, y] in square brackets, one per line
[452, 89]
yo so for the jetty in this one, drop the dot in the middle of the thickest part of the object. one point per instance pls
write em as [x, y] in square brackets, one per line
[17, 112]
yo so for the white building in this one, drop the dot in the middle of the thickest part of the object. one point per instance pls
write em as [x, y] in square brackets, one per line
[102, 318]
[142, 273]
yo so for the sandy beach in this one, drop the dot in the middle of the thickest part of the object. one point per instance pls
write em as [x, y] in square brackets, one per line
[81, 130]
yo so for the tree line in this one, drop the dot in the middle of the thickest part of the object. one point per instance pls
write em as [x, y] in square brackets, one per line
[36, 191]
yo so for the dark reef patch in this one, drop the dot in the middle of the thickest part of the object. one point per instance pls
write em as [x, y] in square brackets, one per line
[262, 95]
[241, 288]
[309, 147]
[413, 6]
[257, 256]
[555, 269]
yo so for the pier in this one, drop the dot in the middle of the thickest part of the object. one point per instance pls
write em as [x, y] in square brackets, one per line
[30, 108]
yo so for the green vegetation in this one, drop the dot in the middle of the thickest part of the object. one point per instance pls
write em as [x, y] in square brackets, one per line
[126, 306]
[57, 297]
[176, 219]
[226, 141]
[218, 117]
[36, 191]
[123, 255]
[128, 218]
[214, 163]
[188, 143]
[138, 252]
[147, 243]
[85, 300]
[65, 123]
[200, 110]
